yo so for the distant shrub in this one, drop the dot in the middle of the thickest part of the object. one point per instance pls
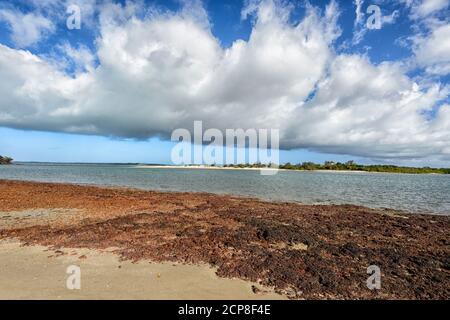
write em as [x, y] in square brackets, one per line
[5, 160]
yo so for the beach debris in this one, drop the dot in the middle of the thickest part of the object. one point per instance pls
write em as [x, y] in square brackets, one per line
[302, 251]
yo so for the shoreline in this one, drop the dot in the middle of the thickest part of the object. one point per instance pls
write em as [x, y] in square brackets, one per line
[201, 167]
[205, 167]
[302, 251]
[225, 194]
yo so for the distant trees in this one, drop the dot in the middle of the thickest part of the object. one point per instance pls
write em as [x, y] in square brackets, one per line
[5, 160]
[339, 166]
[307, 166]
[353, 166]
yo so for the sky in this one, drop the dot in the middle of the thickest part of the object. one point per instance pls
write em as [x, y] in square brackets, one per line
[341, 80]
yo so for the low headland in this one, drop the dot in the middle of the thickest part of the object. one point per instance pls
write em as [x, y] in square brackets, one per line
[278, 249]
[5, 160]
[349, 166]
[311, 166]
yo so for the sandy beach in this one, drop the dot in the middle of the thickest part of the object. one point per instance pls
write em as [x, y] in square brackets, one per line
[35, 272]
[134, 244]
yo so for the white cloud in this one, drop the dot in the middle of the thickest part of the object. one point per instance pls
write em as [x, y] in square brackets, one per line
[26, 29]
[424, 8]
[430, 44]
[371, 110]
[80, 58]
[358, 12]
[433, 51]
[166, 70]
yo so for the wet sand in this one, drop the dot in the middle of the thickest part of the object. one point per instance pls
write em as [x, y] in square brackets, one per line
[34, 272]
[298, 251]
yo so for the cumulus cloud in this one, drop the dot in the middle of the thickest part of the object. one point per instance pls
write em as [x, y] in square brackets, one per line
[378, 112]
[165, 70]
[26, 29]
[433, 50]
[424, 8]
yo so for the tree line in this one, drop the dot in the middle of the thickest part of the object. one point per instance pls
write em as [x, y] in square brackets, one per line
[347, 166]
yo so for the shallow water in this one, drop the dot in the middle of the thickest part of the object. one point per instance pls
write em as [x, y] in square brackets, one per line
[415, 193]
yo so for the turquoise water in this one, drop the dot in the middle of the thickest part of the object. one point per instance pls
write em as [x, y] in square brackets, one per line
[415, 193]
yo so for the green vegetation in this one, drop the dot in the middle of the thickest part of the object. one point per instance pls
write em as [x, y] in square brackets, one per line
[348, 166]
[5, 160]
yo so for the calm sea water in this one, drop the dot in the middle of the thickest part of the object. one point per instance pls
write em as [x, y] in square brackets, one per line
[415, 193]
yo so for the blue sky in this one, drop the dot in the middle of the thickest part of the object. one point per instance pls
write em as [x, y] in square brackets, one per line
[71, 96]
